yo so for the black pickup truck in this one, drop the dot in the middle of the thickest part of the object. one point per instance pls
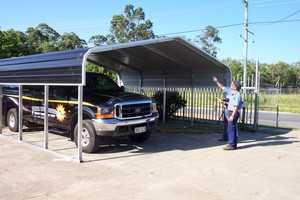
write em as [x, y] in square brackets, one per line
[107, 110]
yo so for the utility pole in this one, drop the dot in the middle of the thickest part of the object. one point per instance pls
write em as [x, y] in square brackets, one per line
[246, 44]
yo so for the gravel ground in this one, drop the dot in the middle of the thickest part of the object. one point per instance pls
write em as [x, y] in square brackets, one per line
[168, 167]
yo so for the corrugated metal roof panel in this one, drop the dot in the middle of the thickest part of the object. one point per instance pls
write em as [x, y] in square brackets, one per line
[54, 68]
[168, 58]
[165, 60]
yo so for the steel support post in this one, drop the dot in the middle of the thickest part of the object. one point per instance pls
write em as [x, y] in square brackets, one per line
[46, 107]
[80, 100]
[20, 121]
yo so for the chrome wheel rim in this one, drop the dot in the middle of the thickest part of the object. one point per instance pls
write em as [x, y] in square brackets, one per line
[85, 137]
[12, 121]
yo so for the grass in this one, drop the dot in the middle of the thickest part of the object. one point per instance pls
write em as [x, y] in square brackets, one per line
[286, 102]
[289, 103]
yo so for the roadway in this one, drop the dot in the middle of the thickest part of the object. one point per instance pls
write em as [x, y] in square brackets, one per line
[288, 120]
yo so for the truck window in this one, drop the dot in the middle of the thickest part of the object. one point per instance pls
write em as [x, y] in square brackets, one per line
[101, 83]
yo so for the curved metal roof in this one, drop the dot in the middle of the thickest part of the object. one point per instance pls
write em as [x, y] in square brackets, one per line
[64, 67]
[171, 62]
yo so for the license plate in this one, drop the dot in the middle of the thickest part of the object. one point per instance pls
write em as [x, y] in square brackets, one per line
[140, 129]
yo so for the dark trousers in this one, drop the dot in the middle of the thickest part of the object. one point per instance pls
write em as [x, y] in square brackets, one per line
[225, 130]
[233, 130]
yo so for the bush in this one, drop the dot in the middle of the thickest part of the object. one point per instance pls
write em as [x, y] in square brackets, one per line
[174, 102]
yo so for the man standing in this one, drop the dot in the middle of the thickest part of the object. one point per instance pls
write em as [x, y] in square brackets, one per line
[227, 92]
[234, 107]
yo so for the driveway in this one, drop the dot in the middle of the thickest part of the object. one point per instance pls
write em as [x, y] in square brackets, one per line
[168, 167]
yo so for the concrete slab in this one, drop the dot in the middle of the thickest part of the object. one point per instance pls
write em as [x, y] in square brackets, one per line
[167, 166]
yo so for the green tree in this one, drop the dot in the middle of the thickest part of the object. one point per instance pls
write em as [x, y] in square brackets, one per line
[208, 39]
[283, 72]
[235, 67]
[263, 72]
[297, 69]
[13, 44]
[174, 102]
[125, 28]
[98, 40]
[297, 64]
[90, 67]
[42, 39]
[70, 41]
[237, 70]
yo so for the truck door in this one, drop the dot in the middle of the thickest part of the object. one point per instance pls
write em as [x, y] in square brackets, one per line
[59, 106]
[35, 101]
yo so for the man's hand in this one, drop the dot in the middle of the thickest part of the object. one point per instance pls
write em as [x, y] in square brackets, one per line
[218, 83]
[231, 117]
[215, 79]
[222, 102]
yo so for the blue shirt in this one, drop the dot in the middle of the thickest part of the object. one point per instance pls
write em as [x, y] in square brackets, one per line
[235, 99]
[227, 92]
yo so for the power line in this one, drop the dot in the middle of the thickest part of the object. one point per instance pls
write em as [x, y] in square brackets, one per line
[239, 24]
[197, 30]
[232, 25]
[286, 17]
[273, 22]
[268, 3]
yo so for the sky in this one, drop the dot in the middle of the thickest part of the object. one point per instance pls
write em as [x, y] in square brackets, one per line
[274, 25]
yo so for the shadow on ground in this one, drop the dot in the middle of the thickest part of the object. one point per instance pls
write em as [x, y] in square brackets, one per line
[114, 148]
[160, 142]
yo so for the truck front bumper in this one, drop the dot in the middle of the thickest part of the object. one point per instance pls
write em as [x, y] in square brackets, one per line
[116, 127]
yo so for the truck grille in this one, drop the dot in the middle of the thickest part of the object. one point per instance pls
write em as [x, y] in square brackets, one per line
[134, 110]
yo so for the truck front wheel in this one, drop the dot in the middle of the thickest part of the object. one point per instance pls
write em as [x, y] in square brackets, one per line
[12, 120]
[140, 137]
[90, 140]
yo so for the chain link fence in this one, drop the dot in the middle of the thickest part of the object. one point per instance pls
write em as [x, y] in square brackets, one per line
[269, 104]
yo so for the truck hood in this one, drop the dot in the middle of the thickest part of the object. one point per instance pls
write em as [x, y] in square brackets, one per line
[114, 97]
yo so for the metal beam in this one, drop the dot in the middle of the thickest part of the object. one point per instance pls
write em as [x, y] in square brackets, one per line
[169, 57]
[139, 59]
[122, 63]
[20, 121]
[46, 105]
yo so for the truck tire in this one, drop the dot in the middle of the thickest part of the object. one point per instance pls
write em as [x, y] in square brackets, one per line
[140, 137]
[12, 120]
[90, 140]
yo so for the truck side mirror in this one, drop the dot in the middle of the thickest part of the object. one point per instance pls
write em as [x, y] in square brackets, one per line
[122, 88]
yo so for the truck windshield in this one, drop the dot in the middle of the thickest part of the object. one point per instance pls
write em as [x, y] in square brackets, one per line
[100, 82]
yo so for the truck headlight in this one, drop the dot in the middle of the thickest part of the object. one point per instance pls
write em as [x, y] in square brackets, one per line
[105, 112]
[153, 108]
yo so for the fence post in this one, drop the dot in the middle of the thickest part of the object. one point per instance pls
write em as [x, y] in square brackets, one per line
[277, 115]
[256, 95]
[192, 107]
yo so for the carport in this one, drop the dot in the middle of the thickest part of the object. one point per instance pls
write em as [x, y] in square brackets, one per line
[163, 62]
